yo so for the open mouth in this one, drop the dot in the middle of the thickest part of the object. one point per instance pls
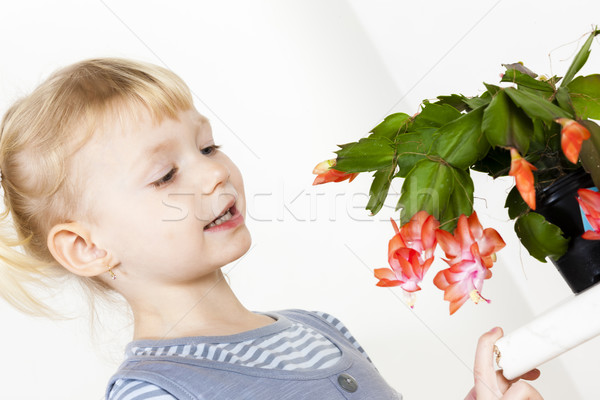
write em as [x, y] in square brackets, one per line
[226, 216]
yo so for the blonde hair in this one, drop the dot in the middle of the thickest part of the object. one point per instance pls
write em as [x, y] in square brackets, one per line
[39, 134]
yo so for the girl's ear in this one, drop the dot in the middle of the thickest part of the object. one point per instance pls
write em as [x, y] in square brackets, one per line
[71, 245]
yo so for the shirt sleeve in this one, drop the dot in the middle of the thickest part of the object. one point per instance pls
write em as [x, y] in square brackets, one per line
[131, 389]
[337, 324]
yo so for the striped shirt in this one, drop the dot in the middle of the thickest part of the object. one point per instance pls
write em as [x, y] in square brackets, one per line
[297, 348]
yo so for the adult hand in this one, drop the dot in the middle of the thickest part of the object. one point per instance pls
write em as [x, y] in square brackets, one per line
[492, 385]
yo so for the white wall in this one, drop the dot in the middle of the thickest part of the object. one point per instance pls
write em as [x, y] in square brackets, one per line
[283, 82]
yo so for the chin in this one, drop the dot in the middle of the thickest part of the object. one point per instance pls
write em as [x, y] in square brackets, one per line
[241, 245]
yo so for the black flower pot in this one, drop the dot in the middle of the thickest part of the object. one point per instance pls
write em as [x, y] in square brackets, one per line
[580, 265]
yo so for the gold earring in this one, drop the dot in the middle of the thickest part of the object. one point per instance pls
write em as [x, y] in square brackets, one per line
[112, 274]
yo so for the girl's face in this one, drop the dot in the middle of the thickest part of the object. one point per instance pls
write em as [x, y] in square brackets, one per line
[154, 192]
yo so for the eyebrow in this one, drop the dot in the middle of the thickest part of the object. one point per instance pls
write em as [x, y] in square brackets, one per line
[158, 148]
[144, 161]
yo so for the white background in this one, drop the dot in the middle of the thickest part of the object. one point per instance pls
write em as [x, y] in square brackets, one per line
[283, 82]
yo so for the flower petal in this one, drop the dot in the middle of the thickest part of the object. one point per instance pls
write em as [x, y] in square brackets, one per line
[457, 294]
[413, 228]
[440, 280]
[325, 173]
[323, 166]
[388, 283]
[455, 305]
[572, 136]
[490, 242]
[475, 226]
[428, 235]
[395, 225]
[405, 264]
[462, 233]
[448, 243]
[396, 243]
[425, 267]
[589, 201]
[520, 169]
[384, 273]
[591, 235]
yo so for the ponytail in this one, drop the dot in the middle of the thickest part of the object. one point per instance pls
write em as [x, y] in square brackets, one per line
[21, 275]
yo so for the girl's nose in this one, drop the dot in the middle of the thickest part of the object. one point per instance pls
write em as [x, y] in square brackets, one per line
[213, 172]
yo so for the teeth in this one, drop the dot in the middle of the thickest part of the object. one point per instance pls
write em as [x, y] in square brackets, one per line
[224, 218]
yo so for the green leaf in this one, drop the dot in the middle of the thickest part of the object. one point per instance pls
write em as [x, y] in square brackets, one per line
[580, 59]
[564, 99]
[435, 115]
[492, 89]
[411, 148]
[457, 101]
[505, 125]
[368, 154]
[536, 106]
[515, 204]
[461, 142]
[545, 95]
[590, 151]
[461, 200]
[521, 79]
[541, 238]
[585, 96]
[428, 187]
[442, 190]
[476, 102]
[391, 126]
[379, 188]
[538, 141]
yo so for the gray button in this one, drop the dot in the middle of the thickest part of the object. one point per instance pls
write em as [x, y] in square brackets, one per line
[347, 383]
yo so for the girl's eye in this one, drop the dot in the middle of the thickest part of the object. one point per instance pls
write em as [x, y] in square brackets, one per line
[165, 179]
[209, 149]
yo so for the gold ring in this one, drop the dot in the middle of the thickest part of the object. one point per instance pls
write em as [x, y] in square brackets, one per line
[498, 355]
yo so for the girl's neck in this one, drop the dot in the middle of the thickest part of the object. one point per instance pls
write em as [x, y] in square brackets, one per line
[207, 308]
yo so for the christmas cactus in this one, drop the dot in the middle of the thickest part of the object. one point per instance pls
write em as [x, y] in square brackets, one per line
[533, 128]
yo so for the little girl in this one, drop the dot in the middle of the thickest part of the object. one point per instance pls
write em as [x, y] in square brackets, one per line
[109, 173]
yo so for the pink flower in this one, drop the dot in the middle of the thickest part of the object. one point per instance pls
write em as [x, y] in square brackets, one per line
[419, 233]
[471, 254]
[410, 253]
[407, 270]
[589, 201]
[325, 173]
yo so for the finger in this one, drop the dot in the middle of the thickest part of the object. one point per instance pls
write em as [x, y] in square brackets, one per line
[484, 354]
[531, 375]
[472, 395]
[504, 384]
[522, 391]
[484, 372]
